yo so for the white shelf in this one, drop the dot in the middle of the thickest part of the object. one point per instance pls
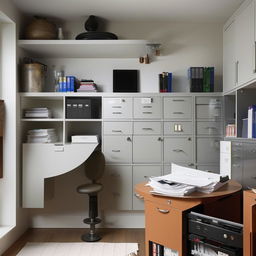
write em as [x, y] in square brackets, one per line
[84, 48]
[42, 119]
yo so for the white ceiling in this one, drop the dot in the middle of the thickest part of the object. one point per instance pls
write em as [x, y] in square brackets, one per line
[137, 10]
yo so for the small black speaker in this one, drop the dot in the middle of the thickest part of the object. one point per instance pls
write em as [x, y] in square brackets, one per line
[125, 80]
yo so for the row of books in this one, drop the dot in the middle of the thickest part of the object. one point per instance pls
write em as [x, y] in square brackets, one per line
[231, 130]
[66, 84]
[160, 250]
[42, 136]
[37, 113]
[165, 82]
[201, 79]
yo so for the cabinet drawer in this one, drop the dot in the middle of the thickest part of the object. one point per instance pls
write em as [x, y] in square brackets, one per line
[147, 149]
[178, 107]
[208, 150]
[117, 188]
[208, 100]
[117, 107]
[117, 128]
[178, 128]
[178, 150]
[209, 128]
[141, 173]
[147, 128]
[117, 149]
[208, 111]
[164, 225]
[148, 108]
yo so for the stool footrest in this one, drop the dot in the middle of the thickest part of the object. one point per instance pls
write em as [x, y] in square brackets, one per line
[90, 221]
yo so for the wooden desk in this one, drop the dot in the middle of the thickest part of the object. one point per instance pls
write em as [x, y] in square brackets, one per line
[165, 216]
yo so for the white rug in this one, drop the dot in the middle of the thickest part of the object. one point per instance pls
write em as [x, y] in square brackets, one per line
[79, 249]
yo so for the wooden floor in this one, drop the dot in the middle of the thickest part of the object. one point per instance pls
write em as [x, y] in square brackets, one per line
[73, 235]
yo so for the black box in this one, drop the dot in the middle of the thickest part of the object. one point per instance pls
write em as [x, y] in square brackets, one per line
[81, 108]
[125, 80]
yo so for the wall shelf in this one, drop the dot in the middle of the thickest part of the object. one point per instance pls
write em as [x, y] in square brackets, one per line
[42, 120]
[84, 48]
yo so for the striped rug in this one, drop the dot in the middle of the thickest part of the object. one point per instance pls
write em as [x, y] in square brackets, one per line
[79, 249]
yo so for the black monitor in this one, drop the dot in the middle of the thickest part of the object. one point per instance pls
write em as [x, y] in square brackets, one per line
[125, 80]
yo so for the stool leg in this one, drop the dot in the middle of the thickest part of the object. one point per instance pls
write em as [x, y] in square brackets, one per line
[92, 236]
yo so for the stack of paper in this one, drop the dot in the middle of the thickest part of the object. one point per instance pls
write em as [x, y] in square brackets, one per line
[38, 113]
[183, 181]
[42, 136]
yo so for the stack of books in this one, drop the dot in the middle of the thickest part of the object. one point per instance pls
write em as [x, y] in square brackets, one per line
[201, 79]
[165, 82]
[42, 136]
[251, 121]
[87, 86]
[38, 113]
[160, 250]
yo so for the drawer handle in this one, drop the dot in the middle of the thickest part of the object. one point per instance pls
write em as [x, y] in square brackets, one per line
[116, 113]
[178, 150]
[116, 150]
[160, 139]
[162, 210]
[116, 131]
[139, 196]
[147, 129]
[210, 127]
[178, 113]
[116, 106]
[147, 112]
[235, 165]
[147, 106]
[129, 139]
[178, 100]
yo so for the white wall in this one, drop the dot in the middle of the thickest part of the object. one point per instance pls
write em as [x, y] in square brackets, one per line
[12, 217]
[184, 45]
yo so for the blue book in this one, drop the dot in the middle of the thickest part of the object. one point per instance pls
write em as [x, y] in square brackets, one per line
[72, 83]
[68, 84]
[60, 82]
[64, 84]
[169, 85]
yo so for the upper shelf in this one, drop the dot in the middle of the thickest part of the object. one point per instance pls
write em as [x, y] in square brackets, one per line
[85, 48]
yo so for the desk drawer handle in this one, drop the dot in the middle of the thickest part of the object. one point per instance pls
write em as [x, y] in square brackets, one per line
[162, 210]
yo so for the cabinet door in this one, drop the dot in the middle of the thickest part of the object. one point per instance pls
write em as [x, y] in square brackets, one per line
[117, 188]
[147, 149]
[117, 149]
[208, 150]
[149, 108]
[229, 57]
[178, 107]
[141, 173]
[245, 44]
[178, 150]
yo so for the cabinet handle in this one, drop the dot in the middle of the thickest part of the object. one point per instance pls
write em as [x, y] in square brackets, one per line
[116, 130]
[235, 165]
[178, 100]
[178, 113]
[139, 196]
[178, 150]
[162, 210]
[210, 127]
[116, 113]
[116, 150]
[147, 112]
[129, 139]
[160, 139]
[116, 107]
[147, 106]
[147, 129]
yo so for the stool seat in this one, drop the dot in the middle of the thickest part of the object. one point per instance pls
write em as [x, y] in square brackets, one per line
[89, 188]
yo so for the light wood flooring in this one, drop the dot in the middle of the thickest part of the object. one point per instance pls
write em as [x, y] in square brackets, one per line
[73, 235]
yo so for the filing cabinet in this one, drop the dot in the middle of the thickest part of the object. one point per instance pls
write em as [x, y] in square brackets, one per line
[178, 108]
[208, 108]
[147, 108]
[117, 108]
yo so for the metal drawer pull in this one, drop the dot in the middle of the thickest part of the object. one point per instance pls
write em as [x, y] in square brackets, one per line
[116, 130]
[129, 139]
[146, 112]
[147, 129]
[178, 150]
[178, 113]
[116, 150]
[178, 100]
[162, 210]
[160, 139]
[210, 127]
[139, 196]
[116, 106]
[116, 113]
[147, 106]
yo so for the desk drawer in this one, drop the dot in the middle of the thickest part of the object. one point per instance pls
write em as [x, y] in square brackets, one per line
[178, 107]
[164, 225]
[144, 128]
[117, 128]
[148, 108]
[117, 107]
[178, 128]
